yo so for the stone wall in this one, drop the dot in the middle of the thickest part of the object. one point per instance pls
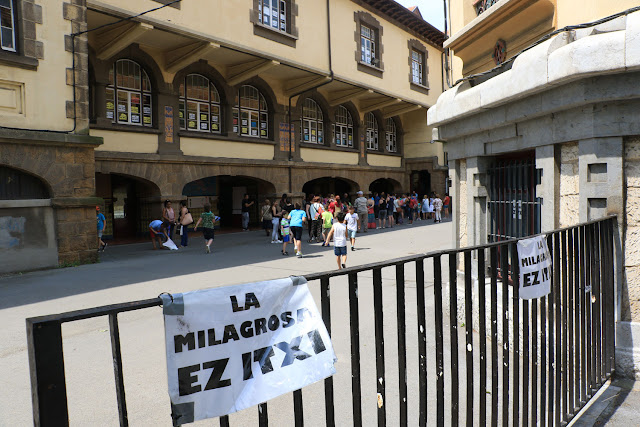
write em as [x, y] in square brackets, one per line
[630, 310]
[66, 164]
[462, 200]
[569, 184]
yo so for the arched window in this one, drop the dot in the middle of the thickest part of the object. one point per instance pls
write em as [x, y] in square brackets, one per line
[129, 94]
[199, 105]
[312, 122]
[251, 115]
[391, 136]
[372, 131]
[343, 128]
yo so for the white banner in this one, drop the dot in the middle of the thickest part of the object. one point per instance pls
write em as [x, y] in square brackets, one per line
[535, 267]
[233, 347]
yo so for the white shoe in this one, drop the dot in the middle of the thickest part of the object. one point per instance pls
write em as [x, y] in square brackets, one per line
[279, 241]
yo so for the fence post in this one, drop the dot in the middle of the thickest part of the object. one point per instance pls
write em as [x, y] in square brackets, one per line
[46, 365]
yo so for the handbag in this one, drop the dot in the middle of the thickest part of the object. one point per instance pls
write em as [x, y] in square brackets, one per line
[187, 219]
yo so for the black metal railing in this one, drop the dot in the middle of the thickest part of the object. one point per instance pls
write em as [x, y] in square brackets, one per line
[482, 5]
[557, 351]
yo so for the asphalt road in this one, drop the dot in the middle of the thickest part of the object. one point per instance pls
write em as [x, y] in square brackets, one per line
[134, 272]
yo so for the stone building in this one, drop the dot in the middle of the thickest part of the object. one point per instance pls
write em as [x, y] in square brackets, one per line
[557, 129]
[106, 103]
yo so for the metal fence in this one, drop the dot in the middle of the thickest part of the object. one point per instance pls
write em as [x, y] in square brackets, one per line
[556, 353]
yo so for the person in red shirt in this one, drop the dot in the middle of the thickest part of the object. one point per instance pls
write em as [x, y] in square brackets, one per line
[413, 205]
[335, 207]
[445, 203]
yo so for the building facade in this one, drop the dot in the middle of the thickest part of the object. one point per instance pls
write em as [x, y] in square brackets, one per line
[543, 119]
[126, 104]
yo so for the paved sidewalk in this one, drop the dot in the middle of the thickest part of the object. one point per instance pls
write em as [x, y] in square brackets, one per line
[133, 272]
[616, 405]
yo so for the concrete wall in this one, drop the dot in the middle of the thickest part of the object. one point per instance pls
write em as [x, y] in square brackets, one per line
[27, 235]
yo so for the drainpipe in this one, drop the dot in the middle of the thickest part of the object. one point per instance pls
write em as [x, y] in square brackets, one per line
[291, 142]
[445, 53]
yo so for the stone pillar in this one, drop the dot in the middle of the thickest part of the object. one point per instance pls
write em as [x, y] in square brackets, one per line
[457, 172]
[601, 184]
[548, 162]
[477, 200]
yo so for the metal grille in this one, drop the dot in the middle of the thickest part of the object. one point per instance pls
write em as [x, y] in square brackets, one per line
[539, 365]
[514, 209]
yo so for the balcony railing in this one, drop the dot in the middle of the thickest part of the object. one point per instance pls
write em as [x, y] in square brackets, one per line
[483, 5]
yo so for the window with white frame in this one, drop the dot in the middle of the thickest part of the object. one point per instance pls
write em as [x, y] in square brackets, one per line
[128, 95]
[312, 122]
[343, 128]
[250, 114]
[7, 25]
[417, 61]
[391, 136]
[371, 131]
[273, 13]
[368, 45]
[199, 105]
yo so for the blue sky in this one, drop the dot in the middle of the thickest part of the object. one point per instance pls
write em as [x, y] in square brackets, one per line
[432, 11]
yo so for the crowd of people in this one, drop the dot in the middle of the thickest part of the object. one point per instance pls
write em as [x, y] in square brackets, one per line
[330, 218]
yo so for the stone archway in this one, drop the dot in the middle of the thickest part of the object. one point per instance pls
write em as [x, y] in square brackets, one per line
[329, 185]
[130, 204]
[224, 193]
[385, 185]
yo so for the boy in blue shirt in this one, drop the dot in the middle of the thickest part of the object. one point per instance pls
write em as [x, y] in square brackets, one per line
[101, 220]
[284, 230]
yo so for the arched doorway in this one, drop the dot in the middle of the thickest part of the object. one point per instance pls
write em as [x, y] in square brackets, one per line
[27, 225]
[421, 182]
[327, 185]
[130, 204]
[385, 185]
[225, 194]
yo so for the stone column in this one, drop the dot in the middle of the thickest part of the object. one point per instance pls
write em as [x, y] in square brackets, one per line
[548, 161]
[477, 200]
[456, 169]
[601, 184]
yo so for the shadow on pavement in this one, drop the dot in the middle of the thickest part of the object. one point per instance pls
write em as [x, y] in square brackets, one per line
[127, 264]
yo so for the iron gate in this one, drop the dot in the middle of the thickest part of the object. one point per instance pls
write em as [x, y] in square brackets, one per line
[543, 376]
[514, 209]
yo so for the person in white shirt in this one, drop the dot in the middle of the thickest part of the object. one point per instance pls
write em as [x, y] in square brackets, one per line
[339, 234]
[352, 226]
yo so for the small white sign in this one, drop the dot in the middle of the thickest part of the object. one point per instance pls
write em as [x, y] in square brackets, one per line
[535, 267]
[234, 347]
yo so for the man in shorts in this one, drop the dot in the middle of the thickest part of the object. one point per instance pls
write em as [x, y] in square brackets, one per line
[362, 211]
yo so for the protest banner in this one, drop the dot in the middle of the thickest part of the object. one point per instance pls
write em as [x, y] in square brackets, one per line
[233, 347]
[535, 267]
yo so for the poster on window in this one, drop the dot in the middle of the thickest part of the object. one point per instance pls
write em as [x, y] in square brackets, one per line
[535, 267]
[233, 347]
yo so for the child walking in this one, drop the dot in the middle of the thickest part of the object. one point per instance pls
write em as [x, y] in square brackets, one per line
[284, 230]
[327, 222]
[352, 225]
[207, 218]
[339, 234]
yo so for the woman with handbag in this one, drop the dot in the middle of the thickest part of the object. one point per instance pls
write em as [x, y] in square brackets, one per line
[185, 219]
